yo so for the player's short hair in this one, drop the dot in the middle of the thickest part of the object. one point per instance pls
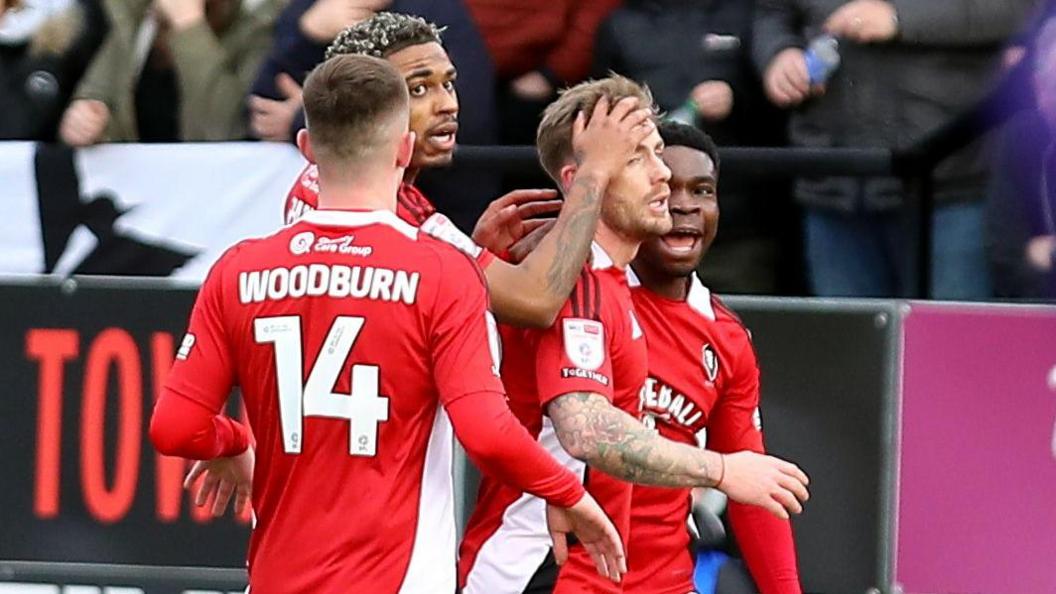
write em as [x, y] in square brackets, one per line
[679, 134]
[553, 139]
[350, 105]
[383, 34]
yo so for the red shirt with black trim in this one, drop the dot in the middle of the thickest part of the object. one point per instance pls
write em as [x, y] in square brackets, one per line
[703, 389]
[359, 345]
[596, 345]
[411, 205]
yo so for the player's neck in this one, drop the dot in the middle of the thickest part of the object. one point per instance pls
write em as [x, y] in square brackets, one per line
[358, 192]
[410, 175]
[675, 288]
[620, 248]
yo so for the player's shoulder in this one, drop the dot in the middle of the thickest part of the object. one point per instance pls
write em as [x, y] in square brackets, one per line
[587, 299]
[239, 252]
[448, 260]
[723, 313]
[730, 329]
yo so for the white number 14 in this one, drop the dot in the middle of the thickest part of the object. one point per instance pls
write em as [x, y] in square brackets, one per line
[363, 408]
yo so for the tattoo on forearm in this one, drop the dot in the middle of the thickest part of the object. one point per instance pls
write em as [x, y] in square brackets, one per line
[573, 232]
[614, 442]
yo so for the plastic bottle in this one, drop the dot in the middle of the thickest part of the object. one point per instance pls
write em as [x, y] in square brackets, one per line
[685, 114]
[823, 58]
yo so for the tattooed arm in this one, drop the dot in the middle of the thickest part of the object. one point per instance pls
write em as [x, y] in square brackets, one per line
[591, 429]
[532, 292]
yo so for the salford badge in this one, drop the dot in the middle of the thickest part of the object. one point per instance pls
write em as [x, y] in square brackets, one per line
[711, 362]
[584, 343]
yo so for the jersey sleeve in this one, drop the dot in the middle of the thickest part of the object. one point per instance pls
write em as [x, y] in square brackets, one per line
[440, 227]
[187, 419]
[466, 367]
[464, 338]
[735, 423]
[500, 446]
[574, 355]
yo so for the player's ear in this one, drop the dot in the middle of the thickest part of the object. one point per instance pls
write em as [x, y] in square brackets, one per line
[405, 150]
[566, 175]
[304, 144]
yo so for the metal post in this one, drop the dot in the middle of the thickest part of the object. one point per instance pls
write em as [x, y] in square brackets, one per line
[919, 211]
[925, 226]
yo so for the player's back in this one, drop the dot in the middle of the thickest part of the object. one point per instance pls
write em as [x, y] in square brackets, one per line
[331, 322]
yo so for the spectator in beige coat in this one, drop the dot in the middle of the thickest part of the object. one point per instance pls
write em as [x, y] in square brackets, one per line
[171, 70]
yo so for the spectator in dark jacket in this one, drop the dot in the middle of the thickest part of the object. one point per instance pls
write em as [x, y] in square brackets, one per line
[700, 51]
[45, 47]
[1023, 189]
[908, 66]
[303, 32]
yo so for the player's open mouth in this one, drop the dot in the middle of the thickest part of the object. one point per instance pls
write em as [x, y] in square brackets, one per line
[442, 137]
[682, 240]
[659, 205]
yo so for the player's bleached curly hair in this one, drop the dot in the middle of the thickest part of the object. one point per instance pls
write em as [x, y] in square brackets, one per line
[383, 34]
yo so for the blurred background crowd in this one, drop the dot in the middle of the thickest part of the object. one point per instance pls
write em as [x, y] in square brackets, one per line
[762, 73]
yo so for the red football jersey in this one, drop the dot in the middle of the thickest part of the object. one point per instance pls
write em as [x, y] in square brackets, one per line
[346, 331]
[703, 387]
[596, 345]
[411, 205]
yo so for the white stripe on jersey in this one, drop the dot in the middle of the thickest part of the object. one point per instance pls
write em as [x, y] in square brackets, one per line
[432, 565]
[510, 557]
[350, 218]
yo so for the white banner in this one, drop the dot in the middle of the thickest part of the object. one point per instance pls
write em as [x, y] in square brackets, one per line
[138, 209]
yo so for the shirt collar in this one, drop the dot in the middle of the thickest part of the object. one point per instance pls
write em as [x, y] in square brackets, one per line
[359, 218]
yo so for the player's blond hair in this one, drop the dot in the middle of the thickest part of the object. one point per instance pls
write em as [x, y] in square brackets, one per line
[553, 139]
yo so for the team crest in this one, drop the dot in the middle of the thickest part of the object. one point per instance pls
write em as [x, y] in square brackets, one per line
[584, 343]
[710, 361]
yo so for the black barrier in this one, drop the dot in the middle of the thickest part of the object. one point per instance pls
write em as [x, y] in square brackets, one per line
[82, 362]
[21, 577]
[829, 382]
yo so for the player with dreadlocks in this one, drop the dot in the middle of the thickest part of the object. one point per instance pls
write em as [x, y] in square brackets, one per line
[532, 292]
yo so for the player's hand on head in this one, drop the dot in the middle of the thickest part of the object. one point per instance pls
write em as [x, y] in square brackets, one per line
[772, 483]
[510, 218]
[593, 530]
[222, 478]
[609, 137]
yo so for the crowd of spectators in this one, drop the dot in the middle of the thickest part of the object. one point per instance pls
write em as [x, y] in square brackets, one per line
[83, 72]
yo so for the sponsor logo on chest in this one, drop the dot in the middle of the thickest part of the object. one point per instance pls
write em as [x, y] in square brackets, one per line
[658, 400]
